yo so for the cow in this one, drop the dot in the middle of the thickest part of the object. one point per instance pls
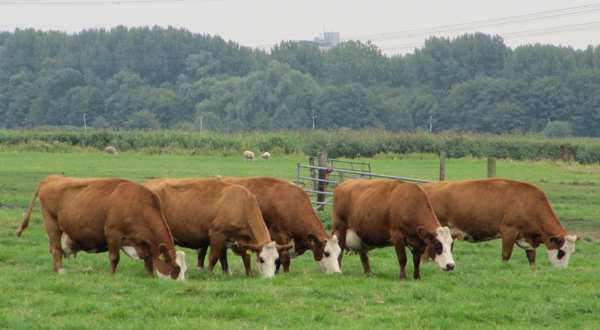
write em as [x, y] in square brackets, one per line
[99, 215]
[517, 212]
[378, 213]
[210, 212]
[290, 217]
[265, 155]
[248, 155]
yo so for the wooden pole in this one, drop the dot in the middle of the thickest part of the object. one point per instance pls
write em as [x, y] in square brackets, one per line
[443, 156]
[322, 185]
[491, 167]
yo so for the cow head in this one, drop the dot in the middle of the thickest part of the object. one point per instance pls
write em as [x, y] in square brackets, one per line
[170, 264]
[560, 249]
[326, 253]
[267, 255]
[439, 247]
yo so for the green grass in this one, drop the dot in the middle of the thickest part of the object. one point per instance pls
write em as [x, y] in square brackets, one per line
[482, 292]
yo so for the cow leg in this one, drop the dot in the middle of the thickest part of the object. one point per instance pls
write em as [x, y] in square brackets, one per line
[509, 237]
[149, 265]
[246, 260]
[201, 256]
[364, 258]
[114, 245]
[401, 255]
[54, 246]
[277, 265]
[217, 244]
[341, 234]
[417, 253]
[223, 261]
[531, 257]
[284, 258]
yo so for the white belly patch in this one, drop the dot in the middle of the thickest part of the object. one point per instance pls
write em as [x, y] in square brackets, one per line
[292, 251]
[524, 245]
[131, 252]
[66, 245]
[353, 241]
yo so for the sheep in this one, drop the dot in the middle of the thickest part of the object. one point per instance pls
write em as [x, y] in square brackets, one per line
[111, 150]
[265, 155]
[248, 155]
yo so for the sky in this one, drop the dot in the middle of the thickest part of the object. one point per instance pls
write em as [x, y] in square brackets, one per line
[395, 26]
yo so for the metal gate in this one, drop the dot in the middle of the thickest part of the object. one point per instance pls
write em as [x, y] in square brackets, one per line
[320, 181]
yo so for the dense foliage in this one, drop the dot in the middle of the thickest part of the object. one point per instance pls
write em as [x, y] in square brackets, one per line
[170, 78]
[339, 143]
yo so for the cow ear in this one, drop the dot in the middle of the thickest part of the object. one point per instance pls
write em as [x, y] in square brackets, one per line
[313, 240]
[425, 235]
[556, 241]
[163, 253]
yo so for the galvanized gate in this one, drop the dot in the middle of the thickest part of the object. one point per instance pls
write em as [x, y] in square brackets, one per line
[319, 181]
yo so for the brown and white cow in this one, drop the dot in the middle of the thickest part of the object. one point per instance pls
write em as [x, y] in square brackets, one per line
[290, 217]
[210, 212]
[378, 213]
[98, 215]
[516, 212]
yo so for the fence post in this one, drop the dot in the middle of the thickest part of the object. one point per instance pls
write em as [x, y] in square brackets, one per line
[443, 156]
[491, 167]
[313, 172]
[321, 184]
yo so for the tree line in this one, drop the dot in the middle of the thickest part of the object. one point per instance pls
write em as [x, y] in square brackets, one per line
[156, 77]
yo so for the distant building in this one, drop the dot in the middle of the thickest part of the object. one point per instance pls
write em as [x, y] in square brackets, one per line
[328, 40]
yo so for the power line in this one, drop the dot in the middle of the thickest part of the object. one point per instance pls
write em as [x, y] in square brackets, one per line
[94, 2]
[535, 16]
[517, 34]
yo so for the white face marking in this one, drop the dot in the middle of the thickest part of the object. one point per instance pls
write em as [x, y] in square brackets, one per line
[131, 252]
[353, 241]
[268, 254]
[65, 245]
[329, 264]
[182, 265]
[568, 248]
[444, 260]
[180, 261]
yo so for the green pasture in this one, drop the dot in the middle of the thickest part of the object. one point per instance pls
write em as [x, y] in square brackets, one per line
[481, 293]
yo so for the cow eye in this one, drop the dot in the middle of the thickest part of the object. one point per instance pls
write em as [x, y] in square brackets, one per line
[261, 260]
[327, 254]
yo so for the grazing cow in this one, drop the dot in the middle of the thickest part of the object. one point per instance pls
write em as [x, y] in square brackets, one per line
[98, 215]
[265, 155]
[516, 212]
[248, 155]
[203, 212]
[289, 215]
[377, 213]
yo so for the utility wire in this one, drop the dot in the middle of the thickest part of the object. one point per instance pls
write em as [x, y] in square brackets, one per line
[536, 16]
[517, 34]
[95, 2]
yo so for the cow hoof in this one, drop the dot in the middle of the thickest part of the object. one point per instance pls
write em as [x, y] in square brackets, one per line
[200, 268]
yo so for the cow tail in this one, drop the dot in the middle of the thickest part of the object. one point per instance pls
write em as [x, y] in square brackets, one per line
[25, 221]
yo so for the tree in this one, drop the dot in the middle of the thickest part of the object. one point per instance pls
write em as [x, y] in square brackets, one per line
[142, 120]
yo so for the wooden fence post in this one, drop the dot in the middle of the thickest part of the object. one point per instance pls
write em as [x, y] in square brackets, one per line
[322, 185]
[313, 172]
[491, 167]
[443, 156]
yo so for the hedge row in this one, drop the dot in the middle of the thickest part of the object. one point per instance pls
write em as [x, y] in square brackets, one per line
[341, 143]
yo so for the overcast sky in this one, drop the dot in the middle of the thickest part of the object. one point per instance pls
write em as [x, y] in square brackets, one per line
[265, 22]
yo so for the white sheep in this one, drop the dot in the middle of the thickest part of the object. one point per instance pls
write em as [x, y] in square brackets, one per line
[265, 155]
[111, 150]
[248, 155]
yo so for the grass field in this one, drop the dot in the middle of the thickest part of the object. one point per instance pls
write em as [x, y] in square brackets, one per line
[481, 292]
